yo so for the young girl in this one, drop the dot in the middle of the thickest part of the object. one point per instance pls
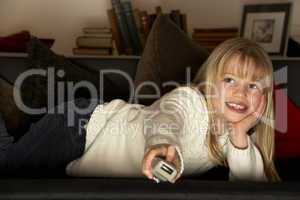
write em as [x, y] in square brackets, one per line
[229, 114]
[225, 119]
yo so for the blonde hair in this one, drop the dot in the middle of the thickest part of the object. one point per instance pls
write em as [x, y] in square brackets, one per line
[249, 54]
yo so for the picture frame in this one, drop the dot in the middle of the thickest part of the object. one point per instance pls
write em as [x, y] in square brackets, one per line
[268, 25]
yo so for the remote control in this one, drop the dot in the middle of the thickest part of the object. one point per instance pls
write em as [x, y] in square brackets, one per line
[163, 170]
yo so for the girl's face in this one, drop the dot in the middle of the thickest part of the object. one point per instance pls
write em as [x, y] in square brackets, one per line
[237, 96]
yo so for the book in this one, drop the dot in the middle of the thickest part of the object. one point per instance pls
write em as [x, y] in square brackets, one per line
[183, 19]
[88, 51]
[211, 39]
[152, 18]
[145, 23]
[175, 17]
[122, 24]
[96, 30]
[103, 35]
[117, 37]
[158, 10]
[213, 43]
[93, 42]
[215, 35]
[216, 30]
[132, 28]
[138, 21]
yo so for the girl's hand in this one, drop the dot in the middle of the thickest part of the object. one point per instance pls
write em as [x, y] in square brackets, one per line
[238, 131]
[164, 150]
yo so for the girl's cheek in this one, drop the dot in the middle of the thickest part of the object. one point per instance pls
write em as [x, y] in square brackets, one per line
[254, 102]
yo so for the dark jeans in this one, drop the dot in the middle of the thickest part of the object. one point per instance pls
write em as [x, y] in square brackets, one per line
[48, 146]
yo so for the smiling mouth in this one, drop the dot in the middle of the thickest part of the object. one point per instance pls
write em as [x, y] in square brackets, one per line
[237, 107]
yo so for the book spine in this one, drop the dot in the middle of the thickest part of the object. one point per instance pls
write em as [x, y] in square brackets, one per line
[152, 19]
[175, 17]
[145, 23]
[116, 32]
[216, 30]
[87, 51]
[95, 30]
[210, 39]
[103, 35]
[93, 42]
[138, 22]
[208, 43]
[214, 35]
[183, 19]
[158, 10]
[133, 31]
[116, 4]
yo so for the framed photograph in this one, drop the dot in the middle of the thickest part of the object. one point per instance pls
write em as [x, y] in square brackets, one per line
[267, 24]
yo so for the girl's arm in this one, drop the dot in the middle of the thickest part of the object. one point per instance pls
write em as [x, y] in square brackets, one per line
[245, 164]
[166, 120]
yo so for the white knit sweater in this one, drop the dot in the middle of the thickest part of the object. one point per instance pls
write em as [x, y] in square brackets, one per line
[118, 134]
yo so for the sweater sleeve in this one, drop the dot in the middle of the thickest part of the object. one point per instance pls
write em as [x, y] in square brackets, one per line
[166, 121]
[245, 164]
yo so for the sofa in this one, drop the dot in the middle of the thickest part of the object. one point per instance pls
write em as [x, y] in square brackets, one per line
[154, 65]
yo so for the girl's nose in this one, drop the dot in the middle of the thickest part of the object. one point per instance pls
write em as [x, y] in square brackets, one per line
[240, 90]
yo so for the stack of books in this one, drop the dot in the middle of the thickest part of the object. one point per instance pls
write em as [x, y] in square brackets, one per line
[147, 20]
[95, 41]
[179, 19]
[131, 27]
[212, 37]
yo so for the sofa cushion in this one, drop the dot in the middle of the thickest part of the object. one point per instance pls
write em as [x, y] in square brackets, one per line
[168, 53]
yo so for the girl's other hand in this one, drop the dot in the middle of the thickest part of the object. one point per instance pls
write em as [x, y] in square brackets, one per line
[163, 150]
[239, 129]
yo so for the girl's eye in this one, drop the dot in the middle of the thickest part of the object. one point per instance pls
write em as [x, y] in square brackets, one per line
[254, 86]
[229, 80]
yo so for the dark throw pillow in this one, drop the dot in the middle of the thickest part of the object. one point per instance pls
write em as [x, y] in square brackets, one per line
[167, 55]
[34, 88]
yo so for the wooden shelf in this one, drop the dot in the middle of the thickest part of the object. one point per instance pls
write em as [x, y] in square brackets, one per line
[284, 58]
[24, 55]
[103, 57]
[14, 55]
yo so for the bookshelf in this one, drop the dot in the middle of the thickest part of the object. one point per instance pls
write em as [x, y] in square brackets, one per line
[103, 57]
[24, 55]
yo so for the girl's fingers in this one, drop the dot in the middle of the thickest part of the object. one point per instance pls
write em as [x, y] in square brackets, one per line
[167, 151]
[171, 154]
[171, 157]
[148, 158]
